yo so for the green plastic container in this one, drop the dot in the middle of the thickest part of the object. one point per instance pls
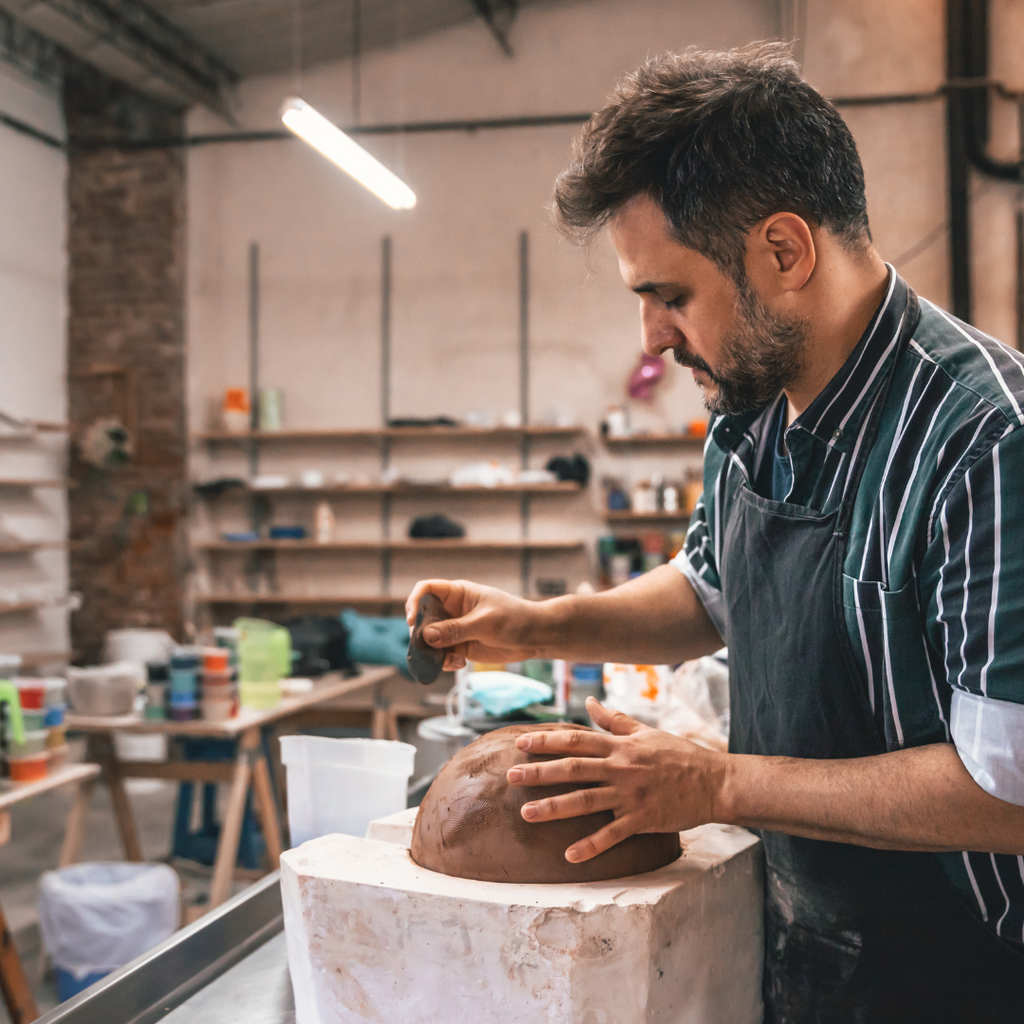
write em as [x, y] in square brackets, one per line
[264, 651]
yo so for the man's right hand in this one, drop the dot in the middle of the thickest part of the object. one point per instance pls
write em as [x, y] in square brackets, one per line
[487, 625]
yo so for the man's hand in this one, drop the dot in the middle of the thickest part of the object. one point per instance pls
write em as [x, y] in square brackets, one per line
[486, 625]
[652, 781]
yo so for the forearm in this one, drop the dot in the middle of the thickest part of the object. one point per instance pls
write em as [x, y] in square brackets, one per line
[654, 619]
[918, 799]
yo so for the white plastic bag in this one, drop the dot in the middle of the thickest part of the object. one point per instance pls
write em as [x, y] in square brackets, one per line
[96, 918]
[697, 702]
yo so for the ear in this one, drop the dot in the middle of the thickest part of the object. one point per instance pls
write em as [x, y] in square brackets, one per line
[781, 254]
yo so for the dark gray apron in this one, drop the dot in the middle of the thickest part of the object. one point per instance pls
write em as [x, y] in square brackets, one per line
[851, 934]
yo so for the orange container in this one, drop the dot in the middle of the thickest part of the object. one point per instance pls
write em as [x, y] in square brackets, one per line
[215, 659]
[28, 769]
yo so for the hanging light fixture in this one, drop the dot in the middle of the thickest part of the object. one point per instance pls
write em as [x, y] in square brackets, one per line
[327, 138]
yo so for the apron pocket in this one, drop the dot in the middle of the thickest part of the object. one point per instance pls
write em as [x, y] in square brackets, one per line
[887, 633]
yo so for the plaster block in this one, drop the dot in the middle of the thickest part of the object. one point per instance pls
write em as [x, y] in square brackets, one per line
[374, 937]
[394, 828]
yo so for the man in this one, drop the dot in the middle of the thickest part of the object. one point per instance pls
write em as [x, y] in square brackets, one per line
[857, 547]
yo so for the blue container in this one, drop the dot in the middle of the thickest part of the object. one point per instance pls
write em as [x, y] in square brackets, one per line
[182, 699]
[185, 660]
[68, 985]
[54, 715]
[184, 681]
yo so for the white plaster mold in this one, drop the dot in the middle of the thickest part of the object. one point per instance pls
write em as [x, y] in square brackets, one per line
[374, 937]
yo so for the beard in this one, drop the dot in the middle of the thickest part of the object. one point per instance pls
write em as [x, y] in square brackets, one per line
[761, 355]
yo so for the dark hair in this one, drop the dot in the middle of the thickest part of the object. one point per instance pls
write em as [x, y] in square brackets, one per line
[719, 140]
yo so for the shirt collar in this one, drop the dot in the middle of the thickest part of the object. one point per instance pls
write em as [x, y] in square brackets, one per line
[834, 414]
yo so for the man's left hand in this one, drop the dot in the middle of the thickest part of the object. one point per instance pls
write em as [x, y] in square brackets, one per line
[650, 780]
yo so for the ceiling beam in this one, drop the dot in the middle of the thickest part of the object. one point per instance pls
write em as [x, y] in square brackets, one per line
[128, 41]
[29, 52]
[488, 10]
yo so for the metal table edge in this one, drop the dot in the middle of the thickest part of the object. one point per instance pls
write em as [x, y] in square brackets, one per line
[157, 982]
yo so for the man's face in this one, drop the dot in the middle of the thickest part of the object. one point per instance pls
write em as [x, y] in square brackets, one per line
[741, 353]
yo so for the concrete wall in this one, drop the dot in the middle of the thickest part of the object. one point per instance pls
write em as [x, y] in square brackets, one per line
[32, 355]
[455, 287]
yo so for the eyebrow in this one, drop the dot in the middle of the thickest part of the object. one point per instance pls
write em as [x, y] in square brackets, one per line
[656, 286]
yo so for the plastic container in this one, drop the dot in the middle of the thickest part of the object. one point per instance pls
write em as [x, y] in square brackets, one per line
[28, 769]
[53, 714]
[179, 699]
[34, 743]
[32, 693]
[68, 985]
[9, 665]
[156, 699]
[34, 720]
[184, 680]
[58, 757]
[219, 691]
[264, 651]
[187, 660]
[260, 696]
[218, 709]
[215, 659]
[341, 785]
[56, 693]
[95, 918]
[183, 712]
[218, 678]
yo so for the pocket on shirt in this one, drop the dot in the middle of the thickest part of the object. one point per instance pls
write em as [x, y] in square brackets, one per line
[886, 629]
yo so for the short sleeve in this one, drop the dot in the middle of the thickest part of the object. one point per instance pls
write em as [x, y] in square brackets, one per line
[697, 563]
[973, 573]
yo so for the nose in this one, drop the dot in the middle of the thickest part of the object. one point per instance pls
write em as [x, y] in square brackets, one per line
[657, 332]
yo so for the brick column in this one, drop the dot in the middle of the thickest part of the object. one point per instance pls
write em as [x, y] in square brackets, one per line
[126, 357]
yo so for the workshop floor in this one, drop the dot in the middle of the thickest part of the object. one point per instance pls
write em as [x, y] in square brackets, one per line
[37, 830]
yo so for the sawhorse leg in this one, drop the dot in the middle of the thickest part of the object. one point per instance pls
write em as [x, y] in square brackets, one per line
[74, 834]
[14, 986]
[250, 767]
[103, 752]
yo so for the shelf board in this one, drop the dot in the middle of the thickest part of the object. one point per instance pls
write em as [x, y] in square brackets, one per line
[323, 599]
[441, 544]
[24, 606]
[30, 547]
[32, 483]
[654, 440]
[409, 489]
[376, 434]
[650, 517]
[32, 659]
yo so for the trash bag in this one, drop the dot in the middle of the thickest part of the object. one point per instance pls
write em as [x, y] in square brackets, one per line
[97, 917]
[321, 645]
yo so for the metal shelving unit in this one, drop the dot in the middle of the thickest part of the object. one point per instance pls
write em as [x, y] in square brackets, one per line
[384, 438]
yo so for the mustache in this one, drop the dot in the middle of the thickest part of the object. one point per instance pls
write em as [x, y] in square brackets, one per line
[684, 358]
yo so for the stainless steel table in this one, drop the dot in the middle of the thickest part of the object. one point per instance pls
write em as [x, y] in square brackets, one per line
[228, 966]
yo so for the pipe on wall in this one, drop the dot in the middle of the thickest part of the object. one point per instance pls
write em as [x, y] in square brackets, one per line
[967, 136]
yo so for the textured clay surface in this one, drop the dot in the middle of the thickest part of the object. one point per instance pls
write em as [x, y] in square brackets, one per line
[469, 824]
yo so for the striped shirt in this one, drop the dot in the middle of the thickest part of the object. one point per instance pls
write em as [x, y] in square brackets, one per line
[933, 585]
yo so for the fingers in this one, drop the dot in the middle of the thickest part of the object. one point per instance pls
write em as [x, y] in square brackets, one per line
[555, 773]
[568, 741]
[441, 588]
[615, 722]
[603, 839]
[571, 805]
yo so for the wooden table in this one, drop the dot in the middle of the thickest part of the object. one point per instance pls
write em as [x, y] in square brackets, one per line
[14, 986]
[249, 768]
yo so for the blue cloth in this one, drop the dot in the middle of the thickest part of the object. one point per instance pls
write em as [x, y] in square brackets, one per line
[377, 640]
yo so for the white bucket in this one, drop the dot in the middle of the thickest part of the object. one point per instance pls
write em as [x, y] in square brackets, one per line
[339, 785]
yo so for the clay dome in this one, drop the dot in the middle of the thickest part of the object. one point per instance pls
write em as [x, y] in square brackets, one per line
[469, 824]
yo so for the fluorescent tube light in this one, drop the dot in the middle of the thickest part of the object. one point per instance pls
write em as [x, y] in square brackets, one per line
[312, 127]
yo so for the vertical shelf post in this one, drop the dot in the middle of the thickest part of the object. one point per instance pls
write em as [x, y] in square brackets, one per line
[524, 399]
[385, 407]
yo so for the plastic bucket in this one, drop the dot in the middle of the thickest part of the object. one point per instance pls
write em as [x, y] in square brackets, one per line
[339, 785]
[68, 985]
